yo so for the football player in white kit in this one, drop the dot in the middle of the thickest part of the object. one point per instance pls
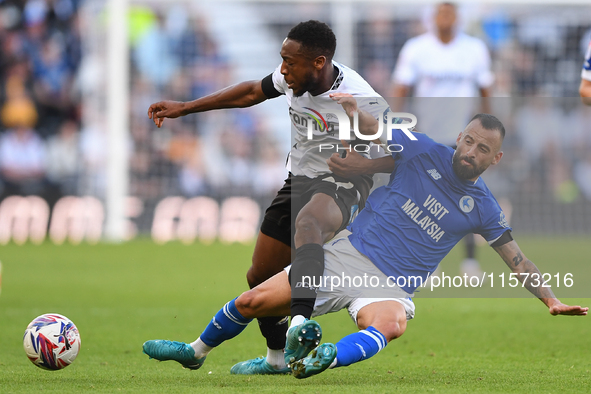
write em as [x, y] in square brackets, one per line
[315, 203]
[442, 64]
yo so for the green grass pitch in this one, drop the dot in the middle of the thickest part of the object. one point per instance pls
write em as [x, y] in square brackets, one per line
[121, 295]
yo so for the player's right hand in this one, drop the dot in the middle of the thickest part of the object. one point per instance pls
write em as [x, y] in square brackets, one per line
[561, 309]
[347, 101]
[353, 164]
[165, 109]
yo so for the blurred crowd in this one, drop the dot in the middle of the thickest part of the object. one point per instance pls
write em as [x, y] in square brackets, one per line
[216, 154]
[39, 107]
[49, 147]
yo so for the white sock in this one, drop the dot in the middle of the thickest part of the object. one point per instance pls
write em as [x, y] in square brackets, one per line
[333, 364]
[201, 349]
[275, 358]
[297, 320]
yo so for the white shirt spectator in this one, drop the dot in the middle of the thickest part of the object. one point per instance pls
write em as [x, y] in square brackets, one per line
[435, 69]
[22, 154]
[438, 70]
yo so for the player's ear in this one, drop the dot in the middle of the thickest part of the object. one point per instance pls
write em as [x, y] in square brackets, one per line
[319, 62]
[497, 158]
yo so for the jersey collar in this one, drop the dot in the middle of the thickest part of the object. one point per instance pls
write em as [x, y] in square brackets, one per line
[339, 79]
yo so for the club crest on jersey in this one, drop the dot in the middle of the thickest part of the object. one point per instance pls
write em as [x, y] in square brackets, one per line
[466, 204]
[434, 174]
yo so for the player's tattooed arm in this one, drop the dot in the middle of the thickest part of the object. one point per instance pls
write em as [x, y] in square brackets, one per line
[529, 274]
[519, 264]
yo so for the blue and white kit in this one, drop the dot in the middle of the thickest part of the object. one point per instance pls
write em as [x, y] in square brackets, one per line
[409, 225]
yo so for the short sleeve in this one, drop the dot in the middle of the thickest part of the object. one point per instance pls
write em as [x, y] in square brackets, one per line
[376, 106]
[279, 81]
[405, 72]
[495, 223]
[269, 88]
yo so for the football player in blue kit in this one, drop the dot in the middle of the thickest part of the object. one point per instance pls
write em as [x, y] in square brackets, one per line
[434, 198]
[585, 87]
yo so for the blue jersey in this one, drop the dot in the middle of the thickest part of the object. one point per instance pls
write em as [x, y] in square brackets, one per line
[409, 225]
[586, 72]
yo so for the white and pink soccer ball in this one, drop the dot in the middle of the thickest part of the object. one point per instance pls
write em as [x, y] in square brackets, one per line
[51, 341]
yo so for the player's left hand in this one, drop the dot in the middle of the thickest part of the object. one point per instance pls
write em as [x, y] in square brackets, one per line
[347, 101]
[570, 310]
[351, 165]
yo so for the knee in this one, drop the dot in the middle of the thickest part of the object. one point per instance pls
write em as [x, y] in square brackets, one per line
[393, 330]
[390, 328]
[254, 278]
[249, 304]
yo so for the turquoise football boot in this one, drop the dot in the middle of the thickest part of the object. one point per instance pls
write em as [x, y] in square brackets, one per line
[301, 340]
[181, 352]
[318, 360]
[257, 366]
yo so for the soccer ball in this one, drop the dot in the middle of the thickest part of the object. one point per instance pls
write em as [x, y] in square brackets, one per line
[51, 341]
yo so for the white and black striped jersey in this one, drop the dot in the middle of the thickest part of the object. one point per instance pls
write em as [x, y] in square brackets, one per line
[306, 158]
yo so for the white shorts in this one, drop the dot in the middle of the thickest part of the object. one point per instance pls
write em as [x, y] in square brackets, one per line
[352, 281]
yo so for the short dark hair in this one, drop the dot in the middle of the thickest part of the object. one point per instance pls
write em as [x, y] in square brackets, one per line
[490, 122]
[316, 37]
[448, 3]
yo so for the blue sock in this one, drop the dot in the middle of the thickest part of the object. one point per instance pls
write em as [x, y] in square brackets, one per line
[359, 346]
[226, 324]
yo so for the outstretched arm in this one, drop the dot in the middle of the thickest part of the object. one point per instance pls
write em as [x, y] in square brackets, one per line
[244, 94]
[520, 264]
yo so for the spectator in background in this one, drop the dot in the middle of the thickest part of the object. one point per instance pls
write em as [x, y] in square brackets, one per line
[269, 173]
[93, 149]
[152, 55]
[582, 175]
[52, 86]
[185, 151]
[380, 42]
[444, 63]
[22, 151]
[64, 162]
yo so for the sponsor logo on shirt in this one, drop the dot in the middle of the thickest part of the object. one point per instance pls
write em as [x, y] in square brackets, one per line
[423, 220]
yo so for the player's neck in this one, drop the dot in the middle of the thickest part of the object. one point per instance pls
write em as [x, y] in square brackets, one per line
[445, 36]
[329, 75]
